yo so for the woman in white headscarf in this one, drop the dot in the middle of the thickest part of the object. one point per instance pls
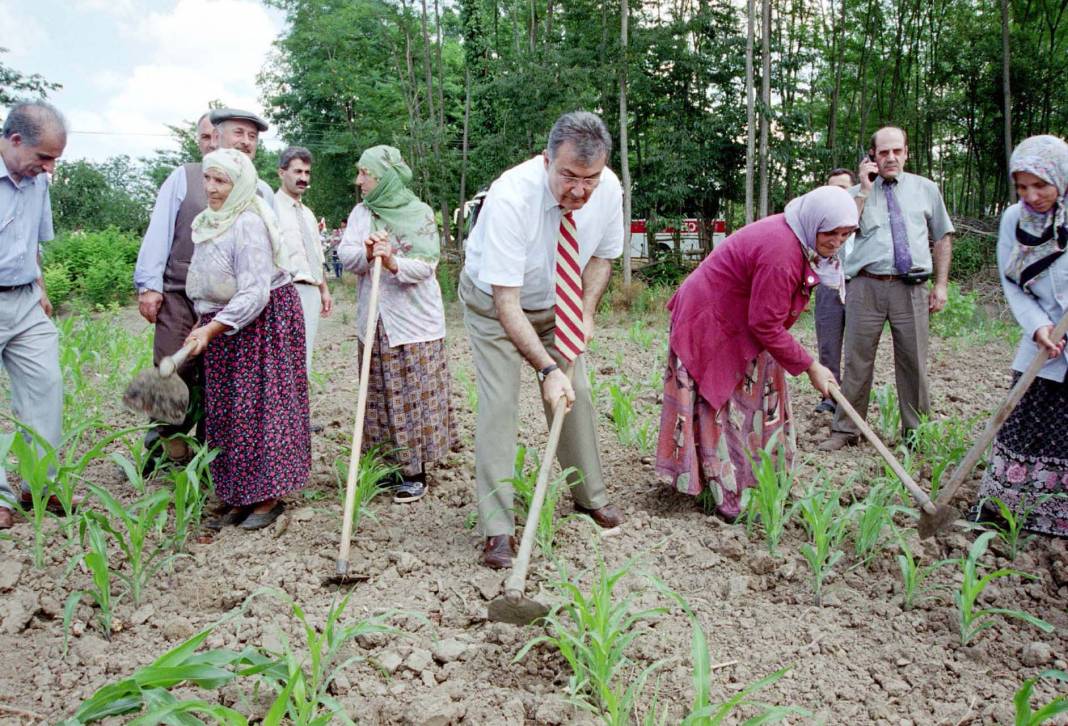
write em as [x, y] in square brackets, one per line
[1028, 468]
[725, 395]
[251, 333]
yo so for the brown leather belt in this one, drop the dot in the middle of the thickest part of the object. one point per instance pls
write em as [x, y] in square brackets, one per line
[883, 278]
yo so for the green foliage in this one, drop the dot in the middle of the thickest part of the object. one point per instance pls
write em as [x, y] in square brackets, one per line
[1025, 716]
[525, 480]
[629, 429]
[973, 254]
[973, 619]
[889, 421]
[448, 279]
[95, 558]
[302, 676]
[95, 266]
[1011, 528]
[16, 85]
[148, 691]
[192, 486]
[821, 515]
[90, 196]
[942, 443]
[960, 315]
[372, 480]
[914, 577]
[766, 501]
[872, 517]
[593, 632]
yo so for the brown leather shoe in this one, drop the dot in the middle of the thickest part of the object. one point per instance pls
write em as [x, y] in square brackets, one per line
[838, 441]
[7, 519]
[498, 551]
[53, 505]
[607, 517]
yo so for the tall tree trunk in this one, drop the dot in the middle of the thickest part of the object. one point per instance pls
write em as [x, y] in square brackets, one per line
[750, 111]
[765, 105]
[624, 146]
[838, 43]
[1006, 93]
[461, 225]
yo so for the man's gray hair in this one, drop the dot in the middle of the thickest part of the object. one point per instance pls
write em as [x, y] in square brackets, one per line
[31, 119]
[587, 134]
[294, 152]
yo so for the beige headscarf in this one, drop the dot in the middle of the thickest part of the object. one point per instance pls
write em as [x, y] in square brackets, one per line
[211, 223]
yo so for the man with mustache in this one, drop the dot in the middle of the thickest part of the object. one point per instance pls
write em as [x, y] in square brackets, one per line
[163, 261]
[891, 260]
[301, 232]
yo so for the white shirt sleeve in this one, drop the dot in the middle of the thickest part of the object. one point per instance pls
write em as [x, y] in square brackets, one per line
[504, 256]
[156, 245]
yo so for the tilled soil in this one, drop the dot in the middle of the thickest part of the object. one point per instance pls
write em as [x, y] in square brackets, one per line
[860, 658]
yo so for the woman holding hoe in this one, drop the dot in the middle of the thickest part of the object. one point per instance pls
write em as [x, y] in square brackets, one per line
[1029, 460]
[251, 333]
[725, 395]
[408, 413]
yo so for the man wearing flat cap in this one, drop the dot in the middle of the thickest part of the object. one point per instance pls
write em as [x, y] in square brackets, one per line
[166, 250]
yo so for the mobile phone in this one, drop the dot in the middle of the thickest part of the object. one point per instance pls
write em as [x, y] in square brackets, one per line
[871, 174]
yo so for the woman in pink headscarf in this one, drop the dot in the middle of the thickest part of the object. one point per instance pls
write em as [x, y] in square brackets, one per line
[725, 394]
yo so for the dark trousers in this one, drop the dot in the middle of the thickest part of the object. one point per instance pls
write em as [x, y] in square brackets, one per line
[175, 319]
[870, 304]
[830, 327]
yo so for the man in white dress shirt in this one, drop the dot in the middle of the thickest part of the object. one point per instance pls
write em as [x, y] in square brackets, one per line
[301, 232]
[508, 287]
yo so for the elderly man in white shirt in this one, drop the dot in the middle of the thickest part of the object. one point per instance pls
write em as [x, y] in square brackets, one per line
[535, 214]
[301, 232]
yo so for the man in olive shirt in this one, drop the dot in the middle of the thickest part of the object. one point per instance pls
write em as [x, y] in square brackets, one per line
[889, 265]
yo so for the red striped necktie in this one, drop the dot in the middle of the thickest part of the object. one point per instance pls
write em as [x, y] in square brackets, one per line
[570, 336]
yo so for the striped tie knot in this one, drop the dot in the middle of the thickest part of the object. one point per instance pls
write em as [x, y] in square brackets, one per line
[570, 337]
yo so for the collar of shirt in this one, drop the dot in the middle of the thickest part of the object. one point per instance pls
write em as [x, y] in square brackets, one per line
[25, 181]
[548, 200]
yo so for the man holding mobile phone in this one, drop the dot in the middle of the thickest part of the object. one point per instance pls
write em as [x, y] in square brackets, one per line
[888, 267]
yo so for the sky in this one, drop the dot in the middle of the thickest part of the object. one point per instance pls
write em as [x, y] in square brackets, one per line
[130, 67]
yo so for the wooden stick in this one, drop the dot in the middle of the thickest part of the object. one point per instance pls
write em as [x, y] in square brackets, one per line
[918, 494]
[357, 431]
[517, 580]
[171, 363]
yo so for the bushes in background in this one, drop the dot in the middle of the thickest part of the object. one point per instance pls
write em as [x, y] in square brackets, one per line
[93, 267]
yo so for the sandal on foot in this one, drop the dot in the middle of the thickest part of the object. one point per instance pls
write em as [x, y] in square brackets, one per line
[259, 520]
[233, 515]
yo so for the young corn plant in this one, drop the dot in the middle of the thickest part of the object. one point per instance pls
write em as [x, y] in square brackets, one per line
[523, 484]
[192, 486]
[766, 502]
[889, 421]
[95, 558]
[914, 576]
[942, 443]
[1011, 528]
[623, 414]
[302, 676]
[470, 390]
[1022, 701]
[822, 517]
[871, 517]
[593, 632]
[145, 697]
[641, 334]
[372, 480]
[132, 528]
[973, 619]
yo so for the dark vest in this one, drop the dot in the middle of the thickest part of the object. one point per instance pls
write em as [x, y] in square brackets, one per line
[195, 202]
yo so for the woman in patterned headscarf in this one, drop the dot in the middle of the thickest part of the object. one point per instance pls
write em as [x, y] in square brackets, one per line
[725, 395]
[251, 333]
[408, 417]
[1029, 462]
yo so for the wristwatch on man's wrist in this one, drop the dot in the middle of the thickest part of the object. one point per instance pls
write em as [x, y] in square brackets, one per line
[544, 372]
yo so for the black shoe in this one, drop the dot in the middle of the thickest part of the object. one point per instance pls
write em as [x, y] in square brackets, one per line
[409, 490]
[259, 520]
[826, 406]
[233, 515]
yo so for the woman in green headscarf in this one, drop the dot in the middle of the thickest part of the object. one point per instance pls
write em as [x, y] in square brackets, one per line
[408, 416]
[251, 334]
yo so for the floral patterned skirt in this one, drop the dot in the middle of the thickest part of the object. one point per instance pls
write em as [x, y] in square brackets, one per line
[704, 448]
[408, 416]
[1030, 458]
[256, 404]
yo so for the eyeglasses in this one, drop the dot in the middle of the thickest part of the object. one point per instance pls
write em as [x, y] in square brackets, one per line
[580, 181]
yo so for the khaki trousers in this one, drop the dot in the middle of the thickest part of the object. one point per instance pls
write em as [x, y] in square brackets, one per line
[869, 305]
[498, 367]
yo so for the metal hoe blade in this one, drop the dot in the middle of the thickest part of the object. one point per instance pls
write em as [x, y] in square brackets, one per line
[521, 611]
[942, 517]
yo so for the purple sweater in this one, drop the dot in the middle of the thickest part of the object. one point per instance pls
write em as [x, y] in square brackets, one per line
[740, 301]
